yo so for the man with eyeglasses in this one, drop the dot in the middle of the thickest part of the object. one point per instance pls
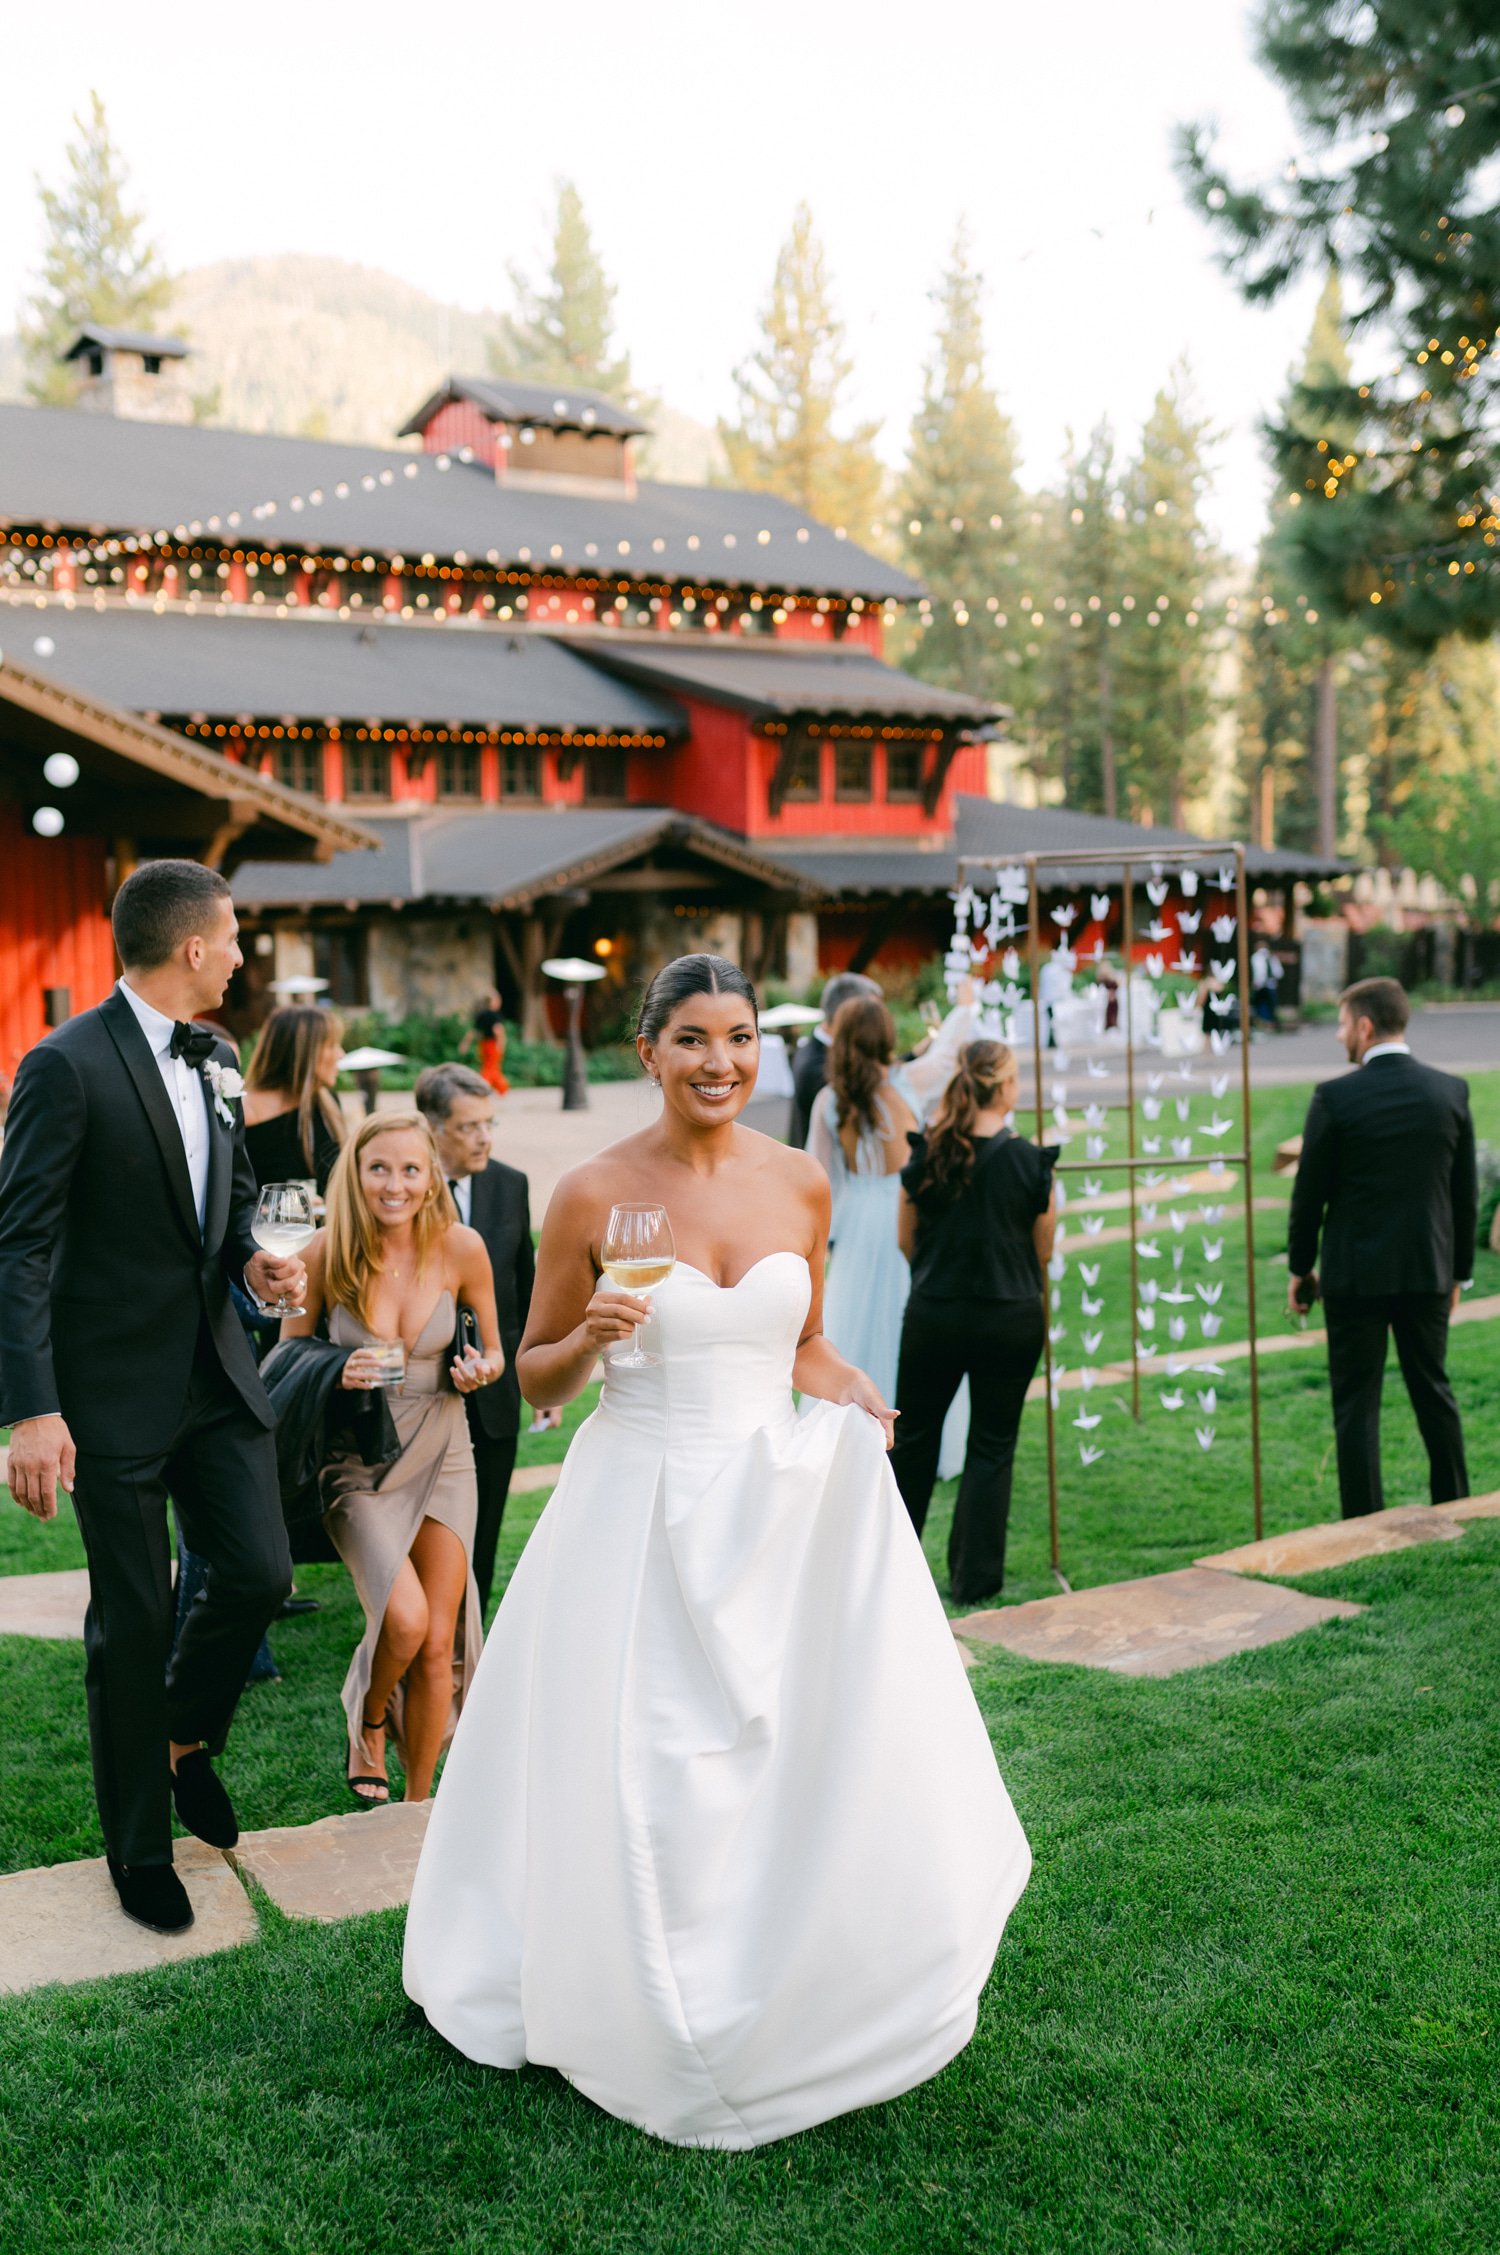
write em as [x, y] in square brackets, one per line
[458, 1106]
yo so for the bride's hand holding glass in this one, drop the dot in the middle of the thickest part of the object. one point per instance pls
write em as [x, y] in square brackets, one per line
[636, 1254]
[612, 1316]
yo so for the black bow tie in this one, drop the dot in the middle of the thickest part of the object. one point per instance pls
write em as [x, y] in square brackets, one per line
[192, 1043]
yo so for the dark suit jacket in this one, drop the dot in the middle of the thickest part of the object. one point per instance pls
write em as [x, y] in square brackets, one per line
[501, 1212]
[809, 1074]
[1387, 1174]
[105, 1281]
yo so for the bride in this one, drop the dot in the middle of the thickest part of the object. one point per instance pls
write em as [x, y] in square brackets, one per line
[721, 1835]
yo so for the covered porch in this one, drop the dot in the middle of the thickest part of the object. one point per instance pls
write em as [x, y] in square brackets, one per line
[451, 905]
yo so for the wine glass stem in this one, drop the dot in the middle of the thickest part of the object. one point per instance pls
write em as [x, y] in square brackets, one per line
[633, 1358]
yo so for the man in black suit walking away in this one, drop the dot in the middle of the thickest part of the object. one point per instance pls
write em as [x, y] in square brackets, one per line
[126, 1205]
[458, 1105]
[1387, 1174]
[810, 1062]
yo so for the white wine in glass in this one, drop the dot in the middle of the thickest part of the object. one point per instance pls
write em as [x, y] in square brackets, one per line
[637, 1254]
[283, 1224]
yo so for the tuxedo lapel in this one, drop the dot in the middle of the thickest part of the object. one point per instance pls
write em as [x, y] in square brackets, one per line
[480, 1186]
[220, 1175]
[136, 1057]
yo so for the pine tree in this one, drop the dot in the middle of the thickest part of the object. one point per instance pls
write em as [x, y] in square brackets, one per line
[1396, 475]
[1280, 657]
[97, 266]
[1295, 658]
[1166, 700]
[790, 388]
[562, 331]
[1434, 745]
[1073, 598]
[962, 505]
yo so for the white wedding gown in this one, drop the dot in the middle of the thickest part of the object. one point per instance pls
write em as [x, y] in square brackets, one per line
[720, 1835]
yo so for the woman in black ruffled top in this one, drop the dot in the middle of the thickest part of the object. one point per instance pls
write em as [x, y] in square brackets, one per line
[293, 1125]
[976, 1222]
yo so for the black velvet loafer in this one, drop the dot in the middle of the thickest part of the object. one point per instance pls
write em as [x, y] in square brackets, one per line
[201, 1801]
[153, 1895]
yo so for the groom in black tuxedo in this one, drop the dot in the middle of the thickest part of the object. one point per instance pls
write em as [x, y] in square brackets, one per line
[126, 1204]
[1387, 1174]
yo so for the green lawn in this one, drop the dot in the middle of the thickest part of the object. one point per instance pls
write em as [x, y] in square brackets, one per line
[1248, 2005]
[1249, 2002]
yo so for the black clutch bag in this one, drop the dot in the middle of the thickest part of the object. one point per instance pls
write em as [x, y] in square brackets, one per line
[465, 1334]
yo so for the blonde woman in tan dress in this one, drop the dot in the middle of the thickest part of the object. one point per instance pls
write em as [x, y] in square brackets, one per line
[395, 1263]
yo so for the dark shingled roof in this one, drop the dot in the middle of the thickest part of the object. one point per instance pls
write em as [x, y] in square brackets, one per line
[987, 827]
[780, 678]
[126, 340]
[1006, 833]
[499, 857]
[104, 473]
[550, 407]
[317, 666]
[125, 759]
[849, 870]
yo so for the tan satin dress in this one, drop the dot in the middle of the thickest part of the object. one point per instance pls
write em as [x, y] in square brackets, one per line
[373, 1528]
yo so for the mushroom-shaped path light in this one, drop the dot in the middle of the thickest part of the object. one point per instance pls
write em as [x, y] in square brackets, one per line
[573, 973]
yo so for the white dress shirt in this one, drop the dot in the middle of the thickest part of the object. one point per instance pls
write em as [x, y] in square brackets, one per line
[1386, 1049]
[187, 1092]
[461, 1189]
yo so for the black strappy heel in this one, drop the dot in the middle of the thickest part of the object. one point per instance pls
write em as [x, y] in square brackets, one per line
[381, 1799]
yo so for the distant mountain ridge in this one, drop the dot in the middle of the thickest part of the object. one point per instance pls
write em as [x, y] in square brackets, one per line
[322, 348]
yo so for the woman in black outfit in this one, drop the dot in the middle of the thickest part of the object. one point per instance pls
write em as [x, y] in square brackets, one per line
[293, 1133]
[977, 1218]
[293, 1125]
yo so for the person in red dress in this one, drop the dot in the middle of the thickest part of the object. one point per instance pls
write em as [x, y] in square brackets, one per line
[485, 1040]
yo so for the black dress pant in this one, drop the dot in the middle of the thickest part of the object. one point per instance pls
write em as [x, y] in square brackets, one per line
[1358, 1330]
[997, 1345]
[220, 1471]
[494, 1462]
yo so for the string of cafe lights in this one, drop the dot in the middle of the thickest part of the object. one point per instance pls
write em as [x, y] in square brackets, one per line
[203, 539]
[527, 576]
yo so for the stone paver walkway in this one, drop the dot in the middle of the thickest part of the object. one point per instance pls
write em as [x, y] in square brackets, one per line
[47, 1605]
[64, 1922]
[533, 1477]
[341, 1866]
[1231, 1350]
[1153, 1627]
[1309, 1550]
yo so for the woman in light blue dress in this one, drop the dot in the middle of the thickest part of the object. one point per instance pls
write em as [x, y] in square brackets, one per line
[858, 1134]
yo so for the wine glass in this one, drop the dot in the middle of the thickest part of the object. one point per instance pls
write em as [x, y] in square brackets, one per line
[283, 1224]
[637, 1254]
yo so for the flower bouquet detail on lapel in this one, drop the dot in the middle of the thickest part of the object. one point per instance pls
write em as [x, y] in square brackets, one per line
[226, 1086]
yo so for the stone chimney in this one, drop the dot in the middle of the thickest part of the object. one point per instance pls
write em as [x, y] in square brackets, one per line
[125, 372]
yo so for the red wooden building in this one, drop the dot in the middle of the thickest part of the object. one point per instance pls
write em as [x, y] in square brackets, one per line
[86, 791]
[573, 705]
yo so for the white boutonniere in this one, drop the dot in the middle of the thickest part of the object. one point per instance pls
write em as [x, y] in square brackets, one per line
[227, 1085]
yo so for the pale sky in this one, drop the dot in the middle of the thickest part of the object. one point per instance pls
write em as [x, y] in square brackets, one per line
[426, 142]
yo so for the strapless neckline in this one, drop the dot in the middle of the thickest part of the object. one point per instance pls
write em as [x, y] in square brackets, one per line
[425, 1344]
[784, 1253]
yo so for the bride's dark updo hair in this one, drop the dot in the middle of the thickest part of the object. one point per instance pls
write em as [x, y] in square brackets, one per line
[687, 975]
